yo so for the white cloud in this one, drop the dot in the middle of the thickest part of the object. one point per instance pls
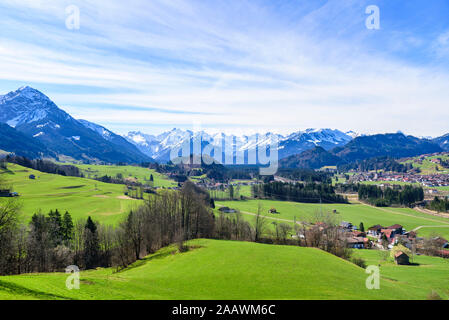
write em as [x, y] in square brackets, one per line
[230, 65]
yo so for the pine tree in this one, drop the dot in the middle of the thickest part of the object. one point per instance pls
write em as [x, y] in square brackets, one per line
[55, 221]
[231, 192]
[67, 227]
[91, 245]
[362, 227]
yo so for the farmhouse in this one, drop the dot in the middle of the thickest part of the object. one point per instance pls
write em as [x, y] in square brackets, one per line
[359, 234]
[8, 193]
[375, 230]
[226, 210]
[401, 258]
[388, 233]
[356, 242]
[396, 229]
[436, 160]
[442, 243]
[273, 211]
[32, 177]
[346, 225]
[444, 253]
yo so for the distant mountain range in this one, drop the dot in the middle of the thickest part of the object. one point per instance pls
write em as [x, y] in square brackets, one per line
[33, 126]
[159, 147]
[394, 145]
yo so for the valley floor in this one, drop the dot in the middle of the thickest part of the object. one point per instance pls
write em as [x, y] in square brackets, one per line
[425, 224]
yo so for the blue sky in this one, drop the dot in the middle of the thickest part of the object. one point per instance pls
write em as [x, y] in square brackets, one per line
[235, 65]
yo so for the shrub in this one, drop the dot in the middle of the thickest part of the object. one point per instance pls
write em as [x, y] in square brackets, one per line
[359, 261]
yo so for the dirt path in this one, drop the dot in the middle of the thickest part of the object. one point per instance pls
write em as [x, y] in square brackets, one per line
[420, 227]
[433, 213]
[125, 198]
[405, 214]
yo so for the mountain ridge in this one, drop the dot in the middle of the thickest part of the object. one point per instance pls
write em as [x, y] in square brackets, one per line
[32, 113]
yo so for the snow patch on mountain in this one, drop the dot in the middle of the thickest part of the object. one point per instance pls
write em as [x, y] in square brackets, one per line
[38, 134]
[102, 131]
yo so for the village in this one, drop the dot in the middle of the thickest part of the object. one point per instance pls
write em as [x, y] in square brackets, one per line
[376, 237]
[380, 237]
[429, 181]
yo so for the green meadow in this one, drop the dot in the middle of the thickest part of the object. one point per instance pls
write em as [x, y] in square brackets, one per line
[354, 213]
[220, 270]
[239, 190]
[80, 196]
[426, 273]
[133, 173]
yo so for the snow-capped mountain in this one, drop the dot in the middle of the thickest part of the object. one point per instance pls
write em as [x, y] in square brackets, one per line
[33, 114]
[25, 106]
[300, 141]
[443, 142]
[353, 134]
[159, 147]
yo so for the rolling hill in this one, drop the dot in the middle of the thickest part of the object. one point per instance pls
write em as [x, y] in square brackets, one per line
[217, 270]
[82, 197]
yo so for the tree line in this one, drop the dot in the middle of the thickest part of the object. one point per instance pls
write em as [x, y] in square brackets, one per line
[298, 192]
[50, 242]
[46, 166]
[378, 163]
[440, 205]
[405, 196]
[306, 175]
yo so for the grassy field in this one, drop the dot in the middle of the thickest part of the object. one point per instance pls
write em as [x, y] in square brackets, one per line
[239, 190]
[219, 270]
[429, 273]
[81, 197]
[428, 167]
[270, 227]
[354, 213]
[132, 173]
